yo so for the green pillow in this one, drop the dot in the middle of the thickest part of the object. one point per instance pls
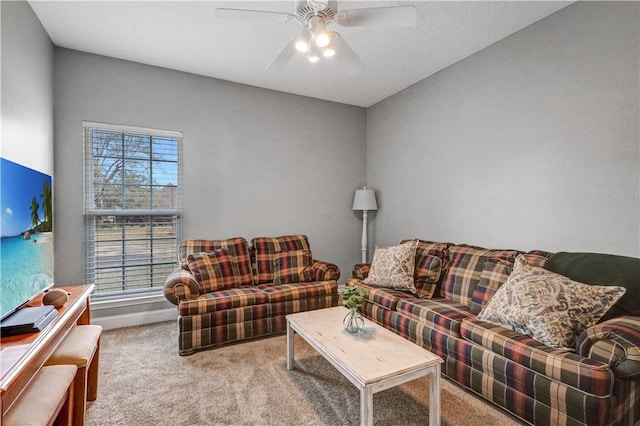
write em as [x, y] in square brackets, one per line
[602, 269]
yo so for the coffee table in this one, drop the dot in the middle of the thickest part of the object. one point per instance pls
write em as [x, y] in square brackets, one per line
[373, 360]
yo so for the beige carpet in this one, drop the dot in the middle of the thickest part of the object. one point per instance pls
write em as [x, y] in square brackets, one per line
[143, 381]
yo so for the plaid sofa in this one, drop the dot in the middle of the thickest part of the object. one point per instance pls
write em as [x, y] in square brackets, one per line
[256, 294]
[597, 383]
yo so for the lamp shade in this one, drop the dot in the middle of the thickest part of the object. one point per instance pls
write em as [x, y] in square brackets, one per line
[365, 199]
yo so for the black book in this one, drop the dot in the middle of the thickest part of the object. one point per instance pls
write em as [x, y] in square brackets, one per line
[27, 320]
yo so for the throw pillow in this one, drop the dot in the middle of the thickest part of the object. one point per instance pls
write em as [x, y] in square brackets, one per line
[547, 306]
[264, 250]
[237, 247]
[393, 267]
[292, 266]
[213, 271]
[495, 272]
[603, 269]
[538, 257]
[427, 275]
[431, 259]
[465, 270]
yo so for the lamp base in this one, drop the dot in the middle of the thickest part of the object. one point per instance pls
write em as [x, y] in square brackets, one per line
[364, 236]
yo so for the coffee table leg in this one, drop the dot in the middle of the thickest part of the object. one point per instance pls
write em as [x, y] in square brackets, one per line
[366, 406]
[434, 397]
[290, 348]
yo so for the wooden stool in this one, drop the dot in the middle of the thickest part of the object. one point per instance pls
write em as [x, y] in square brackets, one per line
[49, 397]
[81, 347]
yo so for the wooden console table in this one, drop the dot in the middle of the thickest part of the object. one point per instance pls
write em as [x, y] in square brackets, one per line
[21, 357]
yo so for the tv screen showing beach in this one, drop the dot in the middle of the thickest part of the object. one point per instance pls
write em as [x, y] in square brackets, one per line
[26, 253]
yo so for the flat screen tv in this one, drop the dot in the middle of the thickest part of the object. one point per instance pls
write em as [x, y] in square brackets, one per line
[26, 251]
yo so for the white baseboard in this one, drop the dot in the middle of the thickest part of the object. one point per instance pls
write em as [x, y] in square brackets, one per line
[136, 318]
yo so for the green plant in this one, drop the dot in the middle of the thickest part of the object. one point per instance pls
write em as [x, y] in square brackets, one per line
[353, 296]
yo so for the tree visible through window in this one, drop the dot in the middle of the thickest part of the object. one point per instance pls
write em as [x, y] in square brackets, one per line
[132, 206]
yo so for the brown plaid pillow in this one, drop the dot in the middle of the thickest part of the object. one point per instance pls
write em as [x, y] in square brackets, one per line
[237, 247]
[431, 259]
[494, 273]
[427, 275]
[465, 270]
[292, 267]
[537, 257]
[264, 250]
[213, 271]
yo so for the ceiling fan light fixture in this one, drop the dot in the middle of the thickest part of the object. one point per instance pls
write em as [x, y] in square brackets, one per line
[322, 39]
[319, 31]
[328, 52]
[314, 54]
[302, 41]
[302, 46]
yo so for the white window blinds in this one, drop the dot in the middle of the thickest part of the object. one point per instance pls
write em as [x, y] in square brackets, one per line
[132, 206]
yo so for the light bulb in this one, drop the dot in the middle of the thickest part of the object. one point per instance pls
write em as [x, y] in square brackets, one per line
[302, 41]
[322, 39]
[328, 52]
[313, 57]
[302, 46]
[319, 31]
[314, 54]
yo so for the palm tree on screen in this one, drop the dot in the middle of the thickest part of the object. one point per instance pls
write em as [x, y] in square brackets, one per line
[47, 210]
[34, 211]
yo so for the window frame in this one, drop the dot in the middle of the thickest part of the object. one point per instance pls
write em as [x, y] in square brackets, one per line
[123, 216]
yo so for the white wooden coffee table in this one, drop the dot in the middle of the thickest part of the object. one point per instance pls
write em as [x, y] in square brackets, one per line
[374, 360]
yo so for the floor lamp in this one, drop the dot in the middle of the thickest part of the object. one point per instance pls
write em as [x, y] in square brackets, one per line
[365, 200]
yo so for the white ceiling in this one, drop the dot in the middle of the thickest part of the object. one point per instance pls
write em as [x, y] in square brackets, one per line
[186, 36]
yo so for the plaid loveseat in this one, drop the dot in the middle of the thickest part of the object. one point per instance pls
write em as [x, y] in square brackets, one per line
[228, 291]
[595, 383]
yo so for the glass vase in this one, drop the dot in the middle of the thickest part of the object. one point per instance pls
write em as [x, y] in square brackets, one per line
[353, 321]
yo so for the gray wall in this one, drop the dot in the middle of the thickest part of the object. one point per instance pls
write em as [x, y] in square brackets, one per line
[27, 88]
[530, 143]
[256, 162]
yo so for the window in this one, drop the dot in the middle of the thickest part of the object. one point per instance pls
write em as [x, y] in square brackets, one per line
[133, 206]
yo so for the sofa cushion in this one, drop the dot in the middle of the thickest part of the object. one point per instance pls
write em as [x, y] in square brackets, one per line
[438, 313]
[393, 267]
[494, 273]
[603, 269]
[286, 292]
[237, 247]
[223, 299]
[588, 375]
[431, 259]
[548, 306]
[465, 270]
[292, 266]
[214, 271]
[265, 249]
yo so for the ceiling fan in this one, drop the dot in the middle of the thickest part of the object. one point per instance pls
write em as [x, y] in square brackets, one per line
[314, 39]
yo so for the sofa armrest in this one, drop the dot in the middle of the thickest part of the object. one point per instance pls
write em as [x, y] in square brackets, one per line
[324, 271]
[360, 271]
[180, 285]
[615, 342]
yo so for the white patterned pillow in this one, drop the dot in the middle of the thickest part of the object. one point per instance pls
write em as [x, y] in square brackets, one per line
[393, 267]
[547, 306]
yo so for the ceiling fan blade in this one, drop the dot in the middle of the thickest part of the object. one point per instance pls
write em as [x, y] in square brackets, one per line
[283, 57]
[393, 16]
[346, 57]
[255, 15]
